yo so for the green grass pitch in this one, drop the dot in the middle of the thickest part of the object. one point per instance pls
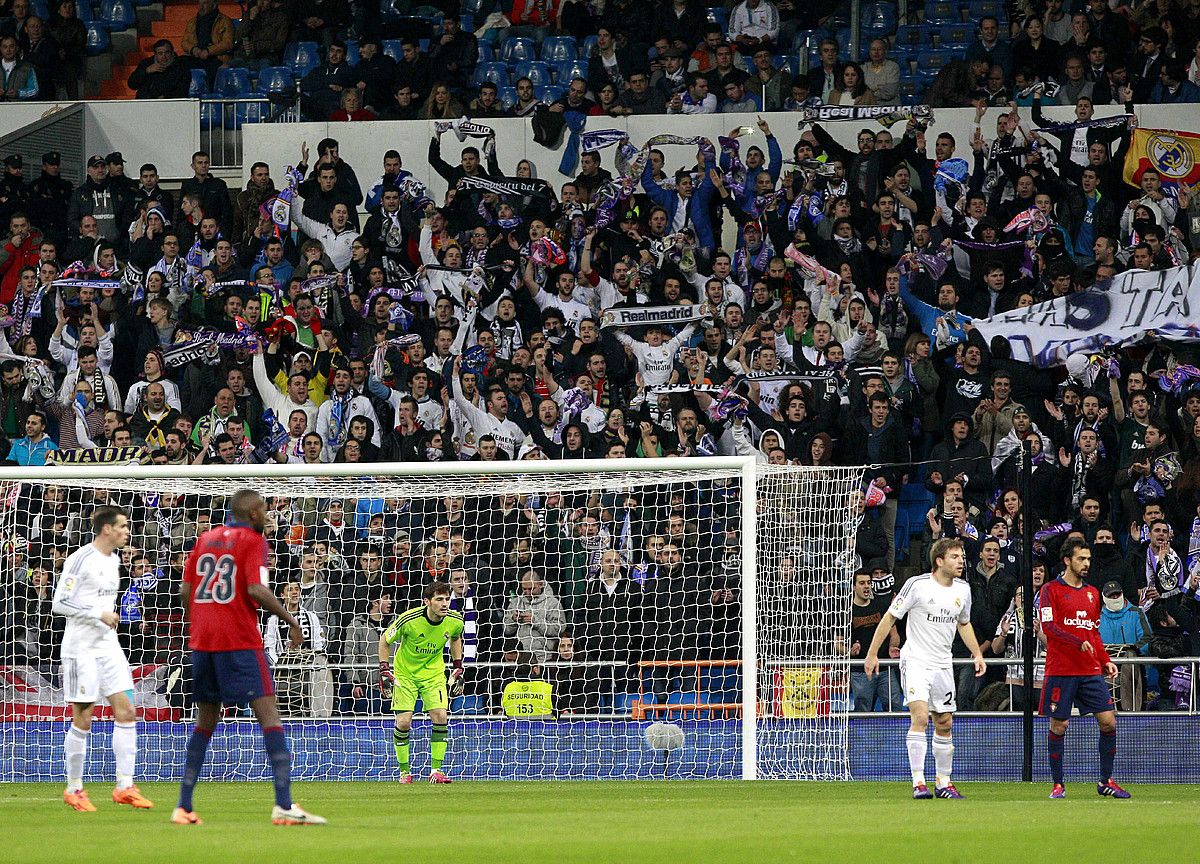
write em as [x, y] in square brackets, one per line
[618, 822]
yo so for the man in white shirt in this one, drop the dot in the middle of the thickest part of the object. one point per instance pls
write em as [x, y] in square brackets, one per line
[573, 311]
[343, 405]
[656, 356]
[94, 666]
[695, 99]
[337, 238]
[494, 421]
[938, 606]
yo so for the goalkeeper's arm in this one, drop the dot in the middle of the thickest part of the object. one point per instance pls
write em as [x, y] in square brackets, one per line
[456, 673]
[387, 678]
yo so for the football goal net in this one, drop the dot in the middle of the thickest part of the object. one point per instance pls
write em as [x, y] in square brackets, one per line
[623, 618]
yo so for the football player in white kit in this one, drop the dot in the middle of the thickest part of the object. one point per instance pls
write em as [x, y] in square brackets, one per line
[938, 605]
[93, 663]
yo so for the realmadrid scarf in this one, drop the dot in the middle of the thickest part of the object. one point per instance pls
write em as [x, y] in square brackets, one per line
[517, 186]
[1026, 263]
[1106, 123]
[464, 128]
[599, 139]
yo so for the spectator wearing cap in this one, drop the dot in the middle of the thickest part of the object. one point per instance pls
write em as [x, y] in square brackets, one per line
[18, 78]
[772, 86]
[39, 48]
[455, 53]
[97, 196]
[376, 73]
[13, 192]
[208, 39]
[671, 77]
[50, 194]
[963, 458]
[162, 75]
[264, 33]
[114, 163]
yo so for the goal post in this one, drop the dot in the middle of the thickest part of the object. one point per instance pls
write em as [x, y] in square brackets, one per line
[692, 587]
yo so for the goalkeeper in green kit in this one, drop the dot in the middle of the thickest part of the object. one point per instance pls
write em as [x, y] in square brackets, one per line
[419, 672]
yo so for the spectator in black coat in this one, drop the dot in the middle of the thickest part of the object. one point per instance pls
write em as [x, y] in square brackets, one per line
[213, 192]
[964, 458]
[454, 55]
[321, 89]
[161, 76]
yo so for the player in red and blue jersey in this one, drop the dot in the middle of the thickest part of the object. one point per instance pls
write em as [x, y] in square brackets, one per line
[1076, 666]
[224, 584]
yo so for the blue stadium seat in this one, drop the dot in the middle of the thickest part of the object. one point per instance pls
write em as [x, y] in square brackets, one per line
[878, 21]
[842, 35]
[199, 85]
[508, 96]
[232, 81]
[722, 684]
[840, 17]
[210, 112]
[588, 46]
[718, 15]
[941, 12]
[956, 36]
[550, 92]
[352, 55]
[808, 41]
[392, 48]
[915, 500]
[686, 698]
[518, 48]
[41, 9]
[537, 71]
[392, 11]
[302, 57]
[623, 702]
[559, 48]
[468, 705]
[97, 39]
[117, 15]
[276, 80]
[258, 111]
[487, 51]
[977, 9]
[902, 535]
[496, 71]
[932, 61]
[83, 10]
[913, 36]
[565, 70]
[910, 90]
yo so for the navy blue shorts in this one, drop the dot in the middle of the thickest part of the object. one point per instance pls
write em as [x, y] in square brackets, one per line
[1089, 693]
[231, 677]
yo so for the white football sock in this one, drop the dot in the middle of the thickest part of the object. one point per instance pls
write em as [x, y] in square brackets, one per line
[124, 744]
[75, 749]
[917, 746]
[943, 758]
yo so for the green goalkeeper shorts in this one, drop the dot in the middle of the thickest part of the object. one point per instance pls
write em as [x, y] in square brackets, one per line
[431, 692]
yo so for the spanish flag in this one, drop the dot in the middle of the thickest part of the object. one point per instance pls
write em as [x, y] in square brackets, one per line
[1174, 155]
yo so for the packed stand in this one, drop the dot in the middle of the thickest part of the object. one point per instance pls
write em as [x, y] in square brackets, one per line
[835, 327]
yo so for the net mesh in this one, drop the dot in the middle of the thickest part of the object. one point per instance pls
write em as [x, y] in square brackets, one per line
[617, 593]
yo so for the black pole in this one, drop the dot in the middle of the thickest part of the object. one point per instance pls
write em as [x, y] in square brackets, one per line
[1030, 640]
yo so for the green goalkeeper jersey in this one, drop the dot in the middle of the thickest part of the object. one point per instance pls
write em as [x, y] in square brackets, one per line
[421, 654]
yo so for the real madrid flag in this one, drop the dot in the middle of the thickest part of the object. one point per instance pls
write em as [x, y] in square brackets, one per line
[1174, 155]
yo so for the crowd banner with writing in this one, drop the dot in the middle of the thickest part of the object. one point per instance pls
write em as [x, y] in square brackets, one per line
[1174, 155]
[885, 114]
[1131, 307]
[645, 316]
[97, 456]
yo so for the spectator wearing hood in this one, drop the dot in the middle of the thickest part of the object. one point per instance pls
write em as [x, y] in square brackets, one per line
[964, 458]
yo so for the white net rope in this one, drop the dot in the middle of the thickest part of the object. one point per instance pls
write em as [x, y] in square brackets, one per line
[620, 590]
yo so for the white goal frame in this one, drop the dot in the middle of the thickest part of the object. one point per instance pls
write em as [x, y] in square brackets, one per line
[747, 466]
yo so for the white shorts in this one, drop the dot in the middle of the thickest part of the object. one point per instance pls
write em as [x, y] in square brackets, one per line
[86, 679]
[931, 684]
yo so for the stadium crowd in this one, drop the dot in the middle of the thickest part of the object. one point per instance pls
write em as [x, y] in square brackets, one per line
[818, 314]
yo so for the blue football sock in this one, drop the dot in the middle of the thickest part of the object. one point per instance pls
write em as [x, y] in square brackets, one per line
[197, 746]
[1108, 755]
[281, 765]
[1054, 749]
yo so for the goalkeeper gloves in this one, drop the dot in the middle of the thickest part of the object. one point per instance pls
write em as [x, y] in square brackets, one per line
[456, 680]
[387, 678]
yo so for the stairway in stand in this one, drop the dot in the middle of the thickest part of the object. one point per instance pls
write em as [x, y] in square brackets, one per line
[176, 14]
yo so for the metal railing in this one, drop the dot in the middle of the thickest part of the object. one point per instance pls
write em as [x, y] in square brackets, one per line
[221, 121]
